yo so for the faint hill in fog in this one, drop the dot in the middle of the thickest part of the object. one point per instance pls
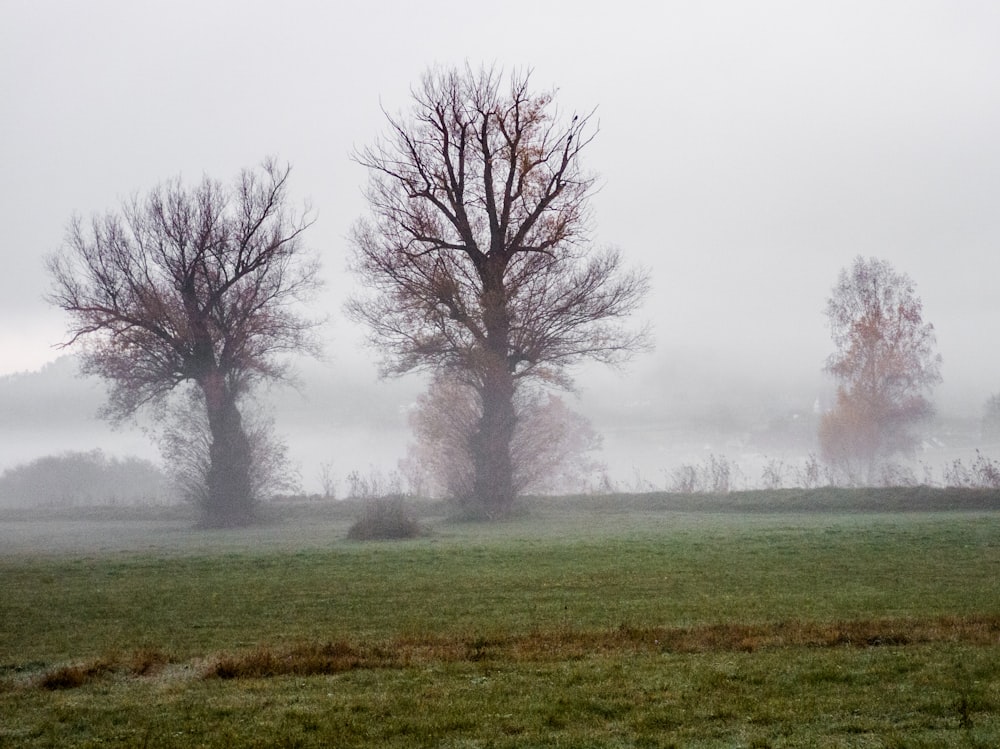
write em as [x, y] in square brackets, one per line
[52, 411]
[51, 396]
[342, 415]
[84, 479]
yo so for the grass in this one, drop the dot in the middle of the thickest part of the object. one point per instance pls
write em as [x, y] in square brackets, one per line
[563, 627]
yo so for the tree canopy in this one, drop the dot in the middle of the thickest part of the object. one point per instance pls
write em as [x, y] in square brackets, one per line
[477, 255]
[885, 365]
[200, 285]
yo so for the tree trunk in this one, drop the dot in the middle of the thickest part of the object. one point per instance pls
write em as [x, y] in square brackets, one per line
[230, 501]
[493, 478]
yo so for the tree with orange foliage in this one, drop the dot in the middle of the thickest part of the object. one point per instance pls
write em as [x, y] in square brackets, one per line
[885, 365]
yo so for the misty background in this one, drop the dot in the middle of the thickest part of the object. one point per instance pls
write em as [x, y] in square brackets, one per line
[746, 153]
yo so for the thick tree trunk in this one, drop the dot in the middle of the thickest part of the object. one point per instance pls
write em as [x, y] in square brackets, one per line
[493, 478]
[230, 500]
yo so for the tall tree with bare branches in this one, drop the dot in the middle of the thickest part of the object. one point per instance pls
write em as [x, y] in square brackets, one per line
[885, 365]
[476, 256]
[194, 285]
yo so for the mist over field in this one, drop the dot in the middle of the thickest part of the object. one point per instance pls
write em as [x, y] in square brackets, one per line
[692, 430]
[744, 153]
[346, 419]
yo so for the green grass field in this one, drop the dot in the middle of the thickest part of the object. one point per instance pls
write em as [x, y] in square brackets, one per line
[596, 623]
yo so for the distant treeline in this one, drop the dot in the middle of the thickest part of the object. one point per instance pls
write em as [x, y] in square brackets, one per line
[84, 478]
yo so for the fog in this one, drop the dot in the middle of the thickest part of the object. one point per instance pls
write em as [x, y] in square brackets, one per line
[675, 417]
[747, 152]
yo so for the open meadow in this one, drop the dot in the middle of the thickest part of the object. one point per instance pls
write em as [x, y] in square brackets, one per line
[758, 620]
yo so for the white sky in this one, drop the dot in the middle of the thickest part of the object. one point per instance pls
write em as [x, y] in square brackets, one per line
[748, 151]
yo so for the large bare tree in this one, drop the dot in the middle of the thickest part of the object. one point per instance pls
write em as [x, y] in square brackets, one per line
[198, 285]
[885, 365]
[476, 256]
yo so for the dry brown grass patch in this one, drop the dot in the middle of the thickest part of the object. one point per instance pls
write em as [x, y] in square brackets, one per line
[145, 662]
[565, 643]
[76, 675]
[307, 659]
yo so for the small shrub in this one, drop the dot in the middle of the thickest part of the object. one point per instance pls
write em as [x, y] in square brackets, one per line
[373, 485]
[984, 473]
[895, 474]
[685, 480]
[719, 474]
[773, 476]
[810, 475]
[716, 475]
[956, 474]
[384, 519]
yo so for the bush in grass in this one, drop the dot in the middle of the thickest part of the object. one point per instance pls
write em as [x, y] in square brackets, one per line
[384, 518]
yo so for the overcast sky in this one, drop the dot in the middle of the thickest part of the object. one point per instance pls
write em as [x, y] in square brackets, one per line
[747, 150]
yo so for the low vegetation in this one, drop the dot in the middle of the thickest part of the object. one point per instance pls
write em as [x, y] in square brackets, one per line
[384, 519]
[600, 622]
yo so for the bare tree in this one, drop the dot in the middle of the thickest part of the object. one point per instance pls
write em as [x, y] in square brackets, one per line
[885, 365]
[195, 285]
[550, 449]
[476, 255]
